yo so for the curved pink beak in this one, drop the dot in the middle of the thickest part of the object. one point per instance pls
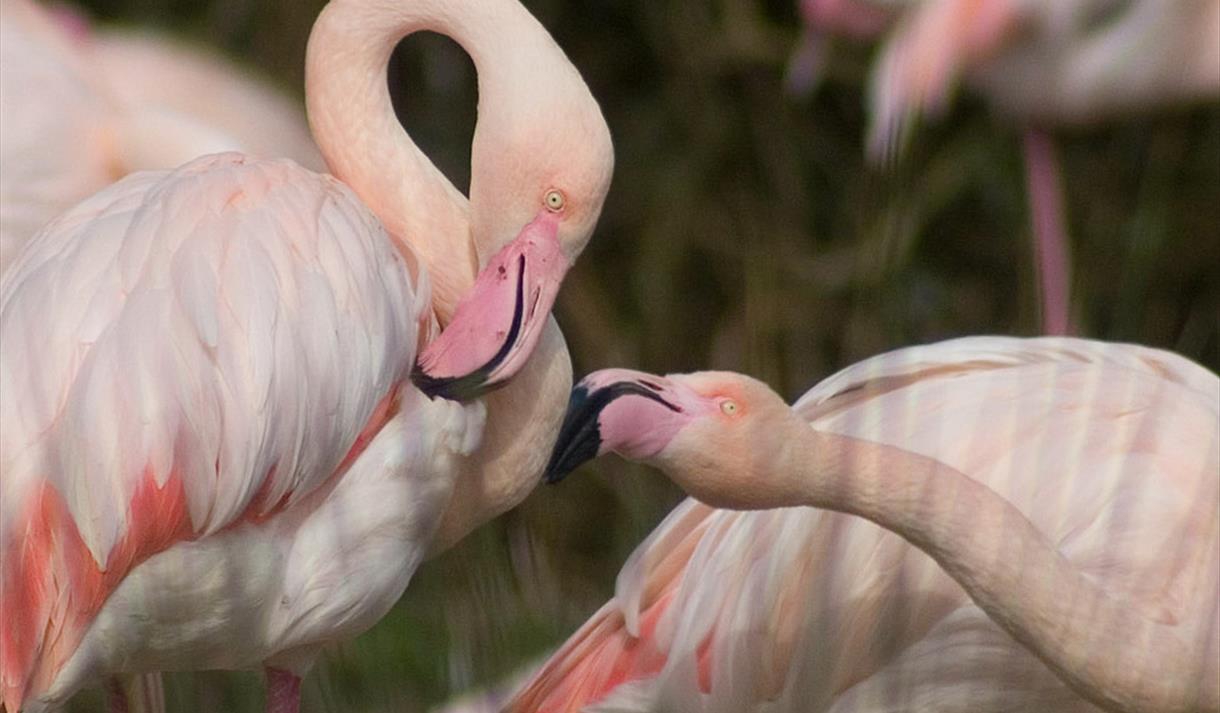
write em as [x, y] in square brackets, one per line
[496, 326]
[628, 412]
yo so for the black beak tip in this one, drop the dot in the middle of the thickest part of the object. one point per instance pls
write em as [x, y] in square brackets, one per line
[431, 386]
[562, 464]
[579, 436]
[554, 474]
[454, 388]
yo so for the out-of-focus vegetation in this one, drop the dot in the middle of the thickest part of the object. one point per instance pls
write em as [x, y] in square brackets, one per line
[744, 231]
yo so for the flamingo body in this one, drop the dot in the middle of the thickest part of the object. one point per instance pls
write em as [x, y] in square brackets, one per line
[50, 159]
[223, 444]
[246, 327]
[1042, 64]
[1110, 450]
[192, 82]
[1045, 63]
[82, 108]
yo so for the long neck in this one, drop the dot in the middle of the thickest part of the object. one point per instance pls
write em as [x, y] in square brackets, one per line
[523, 420]
[362, 141]
[1098, 644]
[359, 135]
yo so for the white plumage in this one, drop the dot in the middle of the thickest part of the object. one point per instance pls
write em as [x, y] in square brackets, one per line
[1111, 450]
[242, 382]
[83, 107]
[190, 336]
[213, 449]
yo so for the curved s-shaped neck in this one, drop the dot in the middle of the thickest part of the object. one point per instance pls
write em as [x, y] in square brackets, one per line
[362, 141]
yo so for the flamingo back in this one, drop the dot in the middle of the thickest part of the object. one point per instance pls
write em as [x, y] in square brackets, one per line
[1111, 450]
[1053, 63]
[50, 158]
[82, 108]
[145, 71]
[181, 352]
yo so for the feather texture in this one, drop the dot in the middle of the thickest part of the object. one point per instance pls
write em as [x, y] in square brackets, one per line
[83, 108]
[1111, 450]
[183, 352]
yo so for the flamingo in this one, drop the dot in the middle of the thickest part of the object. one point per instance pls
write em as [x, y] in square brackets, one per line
[83, 107]
[228, 431]
[1049, 63]
[1044, 64]
[145, 70]
[1004, 525]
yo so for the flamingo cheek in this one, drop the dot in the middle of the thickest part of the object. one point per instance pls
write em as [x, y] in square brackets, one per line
[638, 428]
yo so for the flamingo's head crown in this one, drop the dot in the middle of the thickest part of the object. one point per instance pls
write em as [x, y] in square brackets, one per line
[542, 153]
[541, 165]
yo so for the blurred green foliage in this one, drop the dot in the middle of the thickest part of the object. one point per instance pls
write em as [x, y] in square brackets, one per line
[744, 230]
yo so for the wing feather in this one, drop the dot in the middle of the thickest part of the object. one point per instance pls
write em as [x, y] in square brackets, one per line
[227, 329]
[788, 609]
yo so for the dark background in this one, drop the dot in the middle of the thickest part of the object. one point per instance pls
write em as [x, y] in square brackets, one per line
[744, 230]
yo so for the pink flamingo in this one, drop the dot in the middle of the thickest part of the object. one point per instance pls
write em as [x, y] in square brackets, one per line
[1046, 63]
[1042, 63]
[1022, 525]
[84, 107]
[144, 71]
[217, 444]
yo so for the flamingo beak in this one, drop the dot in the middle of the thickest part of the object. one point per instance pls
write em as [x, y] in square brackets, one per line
[583, 435]
[495, 328]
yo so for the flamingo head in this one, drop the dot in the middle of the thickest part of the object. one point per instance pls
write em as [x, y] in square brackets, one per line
[718, 435]
[541, 166]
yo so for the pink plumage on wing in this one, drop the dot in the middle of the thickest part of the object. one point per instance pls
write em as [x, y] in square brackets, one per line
[1110, 451]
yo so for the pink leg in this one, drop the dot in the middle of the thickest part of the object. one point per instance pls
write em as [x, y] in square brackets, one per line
[283, 691]
[116, 696]
[1050, 237]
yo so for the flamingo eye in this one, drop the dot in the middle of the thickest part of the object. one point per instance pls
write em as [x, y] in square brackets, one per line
[555, 201]
[728, 407]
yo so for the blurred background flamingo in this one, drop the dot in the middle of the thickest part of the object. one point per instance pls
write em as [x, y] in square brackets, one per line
[224, 467]
[146, 70]
[1110, 451]
[1041, 65]
[83, 107]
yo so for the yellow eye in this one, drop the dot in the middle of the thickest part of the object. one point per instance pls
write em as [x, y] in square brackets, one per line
[728, 406]
[555, 200]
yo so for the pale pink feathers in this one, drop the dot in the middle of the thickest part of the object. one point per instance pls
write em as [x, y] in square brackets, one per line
[208, 352]
[1111, 450]
[1047, 62]
[83, 107]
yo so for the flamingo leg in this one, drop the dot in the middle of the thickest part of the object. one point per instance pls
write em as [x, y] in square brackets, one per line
[116, 696]
[283, 691]
[1050, 238]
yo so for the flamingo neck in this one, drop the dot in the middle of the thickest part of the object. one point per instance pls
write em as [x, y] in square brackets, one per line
[364, 145]
[353, 121]
[523, 420]
[1096, 643]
